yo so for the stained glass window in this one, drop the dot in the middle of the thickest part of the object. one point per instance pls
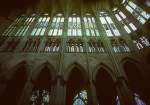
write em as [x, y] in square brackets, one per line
[80, 98]
[137, 12]
[108, 24]
[90, 26]
[141, 42]
[74, 26]
[40, 26]
[128, 26]
[11, 30]
[57, 25]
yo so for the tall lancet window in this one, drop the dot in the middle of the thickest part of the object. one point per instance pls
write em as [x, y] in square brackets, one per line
[25, 26]
[108, 24]
[57, 25]
[40, 26]
[137, 12]
[12, 27]
[74, 26]
[20, 26]
[127, 25]
[80, 98]
[90, 26]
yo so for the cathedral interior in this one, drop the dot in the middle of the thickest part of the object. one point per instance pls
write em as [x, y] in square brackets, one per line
[75, 52]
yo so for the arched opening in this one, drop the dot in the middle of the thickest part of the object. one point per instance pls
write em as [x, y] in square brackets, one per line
[75, 87]
[136, 81]
[105, 88]
[42, 88]
[14, 87]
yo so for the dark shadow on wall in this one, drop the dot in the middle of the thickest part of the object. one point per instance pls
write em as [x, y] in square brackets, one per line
[136, 81]
[75, 84]
[105, 88]
[14, 87]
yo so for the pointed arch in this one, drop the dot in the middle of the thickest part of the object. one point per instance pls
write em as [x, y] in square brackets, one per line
[78, 67]
[15, 84]
[15, 68]
[128, 59]
[105, 87]
[136, 81]
[76, 82]
[106, 68]
[38, 69]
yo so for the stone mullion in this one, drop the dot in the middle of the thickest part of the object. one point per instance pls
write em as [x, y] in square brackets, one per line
[134, 20]
[114, 58]
[27, 92]
[131, 17]
[25, 38]
[45, 37]
[124, 34]
[92, 94]
[59, 88]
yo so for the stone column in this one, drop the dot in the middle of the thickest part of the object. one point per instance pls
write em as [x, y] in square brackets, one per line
[92, 94]
[27, 91]
[60, 92]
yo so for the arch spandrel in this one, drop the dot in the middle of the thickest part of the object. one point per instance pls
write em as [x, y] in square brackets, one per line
[50, 67]
[106, 68]
[20, 66]
[79, 67]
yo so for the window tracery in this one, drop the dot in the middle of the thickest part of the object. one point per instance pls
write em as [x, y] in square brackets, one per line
[74, 26]
[137, 12]
[31, 45]
[75, 45]
[90, 26]
[52, 45]
[40, 27]
[11, 44]
[96, 46]
[128, 26]
[141, 42]
[11, 29]
[119, 46]
[108, 25]
[57, 25]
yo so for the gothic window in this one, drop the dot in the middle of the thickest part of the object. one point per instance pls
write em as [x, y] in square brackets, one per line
[75, 46]
[80, 98]
[40, 97]
[119, 46]
[108, 24]
[90, 26]
[137, 12]
[52, 45]
[57, 25]
[11, 44]
[40, 26]
[74, 26]
[96, 46]
[25, 25]
[32, 45]
[10, 31]
[127, 24]
[141, 42]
